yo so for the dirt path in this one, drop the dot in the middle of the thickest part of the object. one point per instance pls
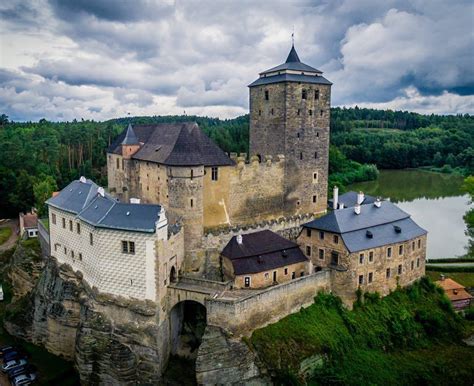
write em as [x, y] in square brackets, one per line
[13, 224]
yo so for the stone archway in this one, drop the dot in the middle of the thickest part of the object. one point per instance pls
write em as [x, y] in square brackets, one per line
[173, 277]
[188, 320]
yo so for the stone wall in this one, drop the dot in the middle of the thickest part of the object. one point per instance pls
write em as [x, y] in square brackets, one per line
[244, 315]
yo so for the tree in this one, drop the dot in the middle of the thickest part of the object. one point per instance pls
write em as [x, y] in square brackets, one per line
[43, 190]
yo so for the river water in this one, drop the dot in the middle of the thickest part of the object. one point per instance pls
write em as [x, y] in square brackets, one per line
[435, 202]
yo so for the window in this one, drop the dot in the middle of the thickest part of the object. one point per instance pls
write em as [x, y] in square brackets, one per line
[419, 243]
[418, 263]
[293, 275]
[214, 173]
[286, 271]
[310, 112]
[70, 225]
[321, 113]
[413, 265]
[317, 134]
[192, 173]
[400, 249]
[315, 199]
[371, 276]
[336, 239]
[301, 155]
[247, 281]
[400, 269]
[271, 111]
[298, 135]
[321, 254]
[299, 112]
[53, 218]
[80, 256]
[389, 252]
[361, 279]
[65, 250]
[334, 258]
[91, 239]
[412, 245]
[267, 95]
[321, 235]
[259, 112]
[128, 247]
[302, 273]
[56, 247]
[308, 232]
[315, 154]
[361, 258]
[316, 94]
[118, 163]
[371, 257]
[72, 254]
[304, 94]
[78, 228]
[267, 276]
[64, 222]
[308, 250]
[388, 273]
[191, 202]
[315, 176]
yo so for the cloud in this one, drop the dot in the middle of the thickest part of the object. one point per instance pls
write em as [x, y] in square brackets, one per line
[100, 59]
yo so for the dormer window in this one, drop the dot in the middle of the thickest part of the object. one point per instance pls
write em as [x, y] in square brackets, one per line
[267, 97]
[304, 94]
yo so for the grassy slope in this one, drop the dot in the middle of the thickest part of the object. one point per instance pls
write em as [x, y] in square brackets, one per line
[411, 336]
[5, 234]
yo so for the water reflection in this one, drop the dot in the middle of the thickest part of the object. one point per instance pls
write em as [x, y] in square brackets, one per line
[435, 202]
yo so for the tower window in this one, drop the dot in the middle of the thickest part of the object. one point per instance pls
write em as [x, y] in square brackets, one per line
[315, 199]
[301, 155]
[272, 111]
[317, 134]
[310, 112]
[304, 94]
[192, 202]
[266, 95]
[298, 135]
[214, 173]
[316, 94]
[299, 111]
[315, 154]
[321, 113]
[315, 176]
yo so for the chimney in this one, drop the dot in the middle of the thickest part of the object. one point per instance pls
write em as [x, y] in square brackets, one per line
[335, 197]
[377, 202]
[101, 191]
[82, 180]
[341, 206]
[134, 200]
[360, 198]
[239, 239]
[357, 209]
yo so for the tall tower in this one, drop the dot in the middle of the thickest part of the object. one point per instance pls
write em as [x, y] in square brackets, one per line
[289, 115]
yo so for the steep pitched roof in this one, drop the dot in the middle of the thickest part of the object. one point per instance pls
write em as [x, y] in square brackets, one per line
[83, 199]
[130, 137]
[262, 251]
[285, 72]
[373, 227]
[175, 144]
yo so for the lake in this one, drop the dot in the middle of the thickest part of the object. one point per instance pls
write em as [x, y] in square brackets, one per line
[435, 202]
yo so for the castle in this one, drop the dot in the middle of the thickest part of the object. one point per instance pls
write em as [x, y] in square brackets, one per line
[245, 237]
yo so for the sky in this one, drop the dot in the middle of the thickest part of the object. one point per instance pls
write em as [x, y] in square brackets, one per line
[103, 59]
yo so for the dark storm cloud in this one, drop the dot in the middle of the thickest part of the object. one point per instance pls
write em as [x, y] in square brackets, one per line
[164, 56]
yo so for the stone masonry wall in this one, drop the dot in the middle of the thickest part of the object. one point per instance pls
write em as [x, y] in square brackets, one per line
[242, 316]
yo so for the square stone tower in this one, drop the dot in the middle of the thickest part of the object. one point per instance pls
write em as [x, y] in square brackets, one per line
[290, 115]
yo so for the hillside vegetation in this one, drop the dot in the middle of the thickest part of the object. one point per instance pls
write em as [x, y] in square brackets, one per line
[40, 157]
[410, 337]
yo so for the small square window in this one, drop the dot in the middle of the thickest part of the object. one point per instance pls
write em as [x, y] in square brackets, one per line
[308, 250]
[371, 276]
[124, 247]
[321, 254]
[308, 232]
[302, 273]
[131, 247]
[361, 279]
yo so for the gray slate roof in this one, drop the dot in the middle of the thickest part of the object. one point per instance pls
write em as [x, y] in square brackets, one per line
[175, 144]
[130, 137]
[105, 211]
[349, 199]
[262, 251]
[292, 63]
[380, 222]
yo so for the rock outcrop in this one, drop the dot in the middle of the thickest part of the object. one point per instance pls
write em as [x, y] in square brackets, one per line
[225, 361]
